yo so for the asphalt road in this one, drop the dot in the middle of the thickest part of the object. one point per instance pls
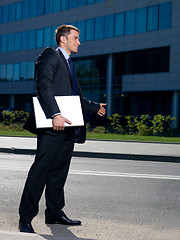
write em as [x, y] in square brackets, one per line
[115, 199]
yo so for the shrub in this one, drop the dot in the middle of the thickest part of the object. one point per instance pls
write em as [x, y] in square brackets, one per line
[18, 117]
[143, 125]
[161, 125]
[131, 126]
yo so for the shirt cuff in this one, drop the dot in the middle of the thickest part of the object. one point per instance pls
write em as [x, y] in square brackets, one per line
[56, 114]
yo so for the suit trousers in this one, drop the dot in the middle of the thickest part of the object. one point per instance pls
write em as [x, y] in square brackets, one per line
[49, 171]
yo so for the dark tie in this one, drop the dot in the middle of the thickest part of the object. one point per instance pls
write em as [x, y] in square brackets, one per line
[73, 75]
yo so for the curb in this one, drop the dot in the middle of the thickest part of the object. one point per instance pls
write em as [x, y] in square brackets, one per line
[117, 156]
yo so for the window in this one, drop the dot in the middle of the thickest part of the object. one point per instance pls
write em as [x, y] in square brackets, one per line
[10, 47]
[25, 40]
[109, 26]
[12, 9]
[81, 3]
[152, 18]
[130, 22]
[72, 3]
[17, 45]
[48, 6]
[4, 43]
[0, 14]
[99, 28]
[39, 42]
[30, 70]
[89, 29]
[3, 69]
[47, 37]
[119, 24]
[56, 5]
[40, 7]
[64, 4]
[165, 15]
[81, 27]
[16, 72]
[90, 1]
[9, 74]
[53, 40]
[5, 13]
[18, 10]
[141, 20]
[33, 8]
[32, 39]
[26, 5]
[23, 71]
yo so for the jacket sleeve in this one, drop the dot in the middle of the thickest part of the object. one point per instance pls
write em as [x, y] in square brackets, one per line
[46, 66]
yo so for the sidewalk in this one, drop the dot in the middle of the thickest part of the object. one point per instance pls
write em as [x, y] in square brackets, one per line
[102, 149]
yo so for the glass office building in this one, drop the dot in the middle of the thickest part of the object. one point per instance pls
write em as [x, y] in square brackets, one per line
[129, 54]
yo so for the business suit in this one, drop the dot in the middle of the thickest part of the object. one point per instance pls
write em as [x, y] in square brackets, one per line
[54, 148]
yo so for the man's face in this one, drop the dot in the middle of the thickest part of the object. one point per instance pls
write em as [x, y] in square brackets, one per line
[72, 42]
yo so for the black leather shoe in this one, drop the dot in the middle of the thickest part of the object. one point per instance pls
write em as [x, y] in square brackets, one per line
[26, 227]
[62, 220]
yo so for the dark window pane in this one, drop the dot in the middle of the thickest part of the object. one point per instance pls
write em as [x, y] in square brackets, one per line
[72, 3]
[9, 75]
[33, 8]
[47, 37]
[18, 10]
[53, 41]
[90, 1]
[12, 10]
[32, 39]
[16, 72]
[23, 71]
[81, 27]
[39, 42]
[5, 10]
[119, 24]
[26, 5]
[109, 26]
[141, 20]
[25, 40]
[40, 7]
[0, 14]
[30, 70]
[99, 28]
[10, 42]
[152, 18]
[89, 29]
[81, 3]
[4, 43]
[64, 4]
[48, 6]
[165, 15]
[3, 69]
[56, 5]
[163, 59]
[130, 22]
[17, 46]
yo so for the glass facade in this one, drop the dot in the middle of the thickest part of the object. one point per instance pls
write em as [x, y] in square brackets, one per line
[130, 22]
[33, 8]
[17, 71]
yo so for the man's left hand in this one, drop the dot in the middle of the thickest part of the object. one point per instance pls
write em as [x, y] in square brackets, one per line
[102, 110]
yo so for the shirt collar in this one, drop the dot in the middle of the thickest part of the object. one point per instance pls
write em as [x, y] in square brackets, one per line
[66, 55]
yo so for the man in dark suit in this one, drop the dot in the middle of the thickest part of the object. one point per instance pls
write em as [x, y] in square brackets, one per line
[55, 77]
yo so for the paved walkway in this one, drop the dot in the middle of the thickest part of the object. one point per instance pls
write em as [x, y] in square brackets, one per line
[102, 149]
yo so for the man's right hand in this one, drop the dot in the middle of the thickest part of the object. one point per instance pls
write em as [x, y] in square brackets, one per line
[59, 121]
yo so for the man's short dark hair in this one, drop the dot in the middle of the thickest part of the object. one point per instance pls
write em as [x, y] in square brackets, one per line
[64, 30]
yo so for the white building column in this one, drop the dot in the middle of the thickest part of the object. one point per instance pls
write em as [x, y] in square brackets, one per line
[175, 108]
[109, 85]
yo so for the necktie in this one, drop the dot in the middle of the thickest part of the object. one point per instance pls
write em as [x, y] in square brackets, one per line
[73, 76]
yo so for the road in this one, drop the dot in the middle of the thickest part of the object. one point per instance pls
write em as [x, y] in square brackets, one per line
[115, 199]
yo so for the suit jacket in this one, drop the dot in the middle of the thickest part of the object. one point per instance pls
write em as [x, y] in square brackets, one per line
[54, 79]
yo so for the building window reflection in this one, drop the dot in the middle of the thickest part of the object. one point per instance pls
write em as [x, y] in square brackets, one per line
[152, 18]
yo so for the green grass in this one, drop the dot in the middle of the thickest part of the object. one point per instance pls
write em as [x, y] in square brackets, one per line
[106, 137]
